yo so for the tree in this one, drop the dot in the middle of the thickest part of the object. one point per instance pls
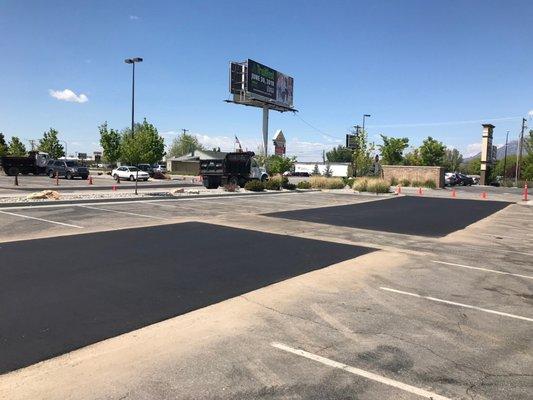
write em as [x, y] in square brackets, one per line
[392, 149]
[432, 152]
[184, 144]
[16, 147]
[110, 142]
[362, 155]
[412, 158]
[527, 172]
[3, 145]
[50, 144]
[145, 146]
[316, 170]
[277, 164]
[472, 167]
[327, 171]
[452, 160]
[339, 154]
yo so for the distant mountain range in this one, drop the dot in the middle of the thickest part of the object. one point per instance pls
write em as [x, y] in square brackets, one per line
[512, 149]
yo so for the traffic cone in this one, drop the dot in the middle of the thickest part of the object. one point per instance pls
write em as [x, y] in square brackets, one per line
[525, 191]
[420, 191]
[90, 180]
[453, 193]
[399, 190]
[114, 188]
[484, 195]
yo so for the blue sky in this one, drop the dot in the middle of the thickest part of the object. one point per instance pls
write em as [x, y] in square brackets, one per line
[420, 68]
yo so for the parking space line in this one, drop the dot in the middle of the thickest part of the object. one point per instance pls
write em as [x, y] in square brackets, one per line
[453, 303]
[360, 372]
[124, 212]
[42, 219]
[482, 269]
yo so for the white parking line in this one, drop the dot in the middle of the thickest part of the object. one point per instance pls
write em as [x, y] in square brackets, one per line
[453, 303]
[360, 372]
[123, 212]
[42, 219]
[482, 269]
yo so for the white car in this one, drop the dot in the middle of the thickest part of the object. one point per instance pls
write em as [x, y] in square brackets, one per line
[160, 168]
[129, 172]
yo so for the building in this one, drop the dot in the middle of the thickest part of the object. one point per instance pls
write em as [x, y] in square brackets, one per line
[337, 168]
[189, 164]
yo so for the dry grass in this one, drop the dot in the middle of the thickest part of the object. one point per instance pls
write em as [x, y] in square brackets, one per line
[374, 185]
[321, 182]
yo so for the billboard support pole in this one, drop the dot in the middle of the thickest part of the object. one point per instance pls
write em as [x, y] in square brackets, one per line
[265, 130]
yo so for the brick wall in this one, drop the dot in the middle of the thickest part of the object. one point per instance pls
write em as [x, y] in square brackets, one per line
[414, 173]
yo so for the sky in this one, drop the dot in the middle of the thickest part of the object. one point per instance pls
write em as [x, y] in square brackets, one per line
[420, 68]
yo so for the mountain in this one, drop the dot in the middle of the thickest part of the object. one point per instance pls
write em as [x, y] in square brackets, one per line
[512, 149]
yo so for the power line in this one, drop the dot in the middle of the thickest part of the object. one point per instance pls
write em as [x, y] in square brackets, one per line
[315, 128]
[477, 121]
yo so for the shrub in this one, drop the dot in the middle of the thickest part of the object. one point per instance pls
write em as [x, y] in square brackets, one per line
[231, 187]
[378, 186]
[318, 182]
[405, 182]
[254, 186]
[430, 183]
[348, 181]
[393, 181]
[290, 186]
[303, 185]
[273, 184]
[335, 183]
[416, 183]
[360, 184]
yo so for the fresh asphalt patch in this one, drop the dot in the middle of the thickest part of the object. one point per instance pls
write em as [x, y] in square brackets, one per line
[422, 216]
[59, 294]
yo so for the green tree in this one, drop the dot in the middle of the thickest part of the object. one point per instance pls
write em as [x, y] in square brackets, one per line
[50, 144]
[339, 154]
[110, 142]
[3, 145]
[277, 164]
[412, 157]
[472, 167]
[184, 144]
[392, 149]
[527, 172]
[16, 147]
[316, 170]
[362, 155]
[145, 146]
[327, 171]
[452, 160]
[432, 152]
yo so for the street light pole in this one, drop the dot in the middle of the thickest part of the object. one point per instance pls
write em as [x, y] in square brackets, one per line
[505, 158]
[132, 61]
[365, 116]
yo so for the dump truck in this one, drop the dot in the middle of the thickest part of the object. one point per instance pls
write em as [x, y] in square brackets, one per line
[235, 168]
[34, 163]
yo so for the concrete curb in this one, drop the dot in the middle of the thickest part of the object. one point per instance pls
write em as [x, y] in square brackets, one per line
[145, 198]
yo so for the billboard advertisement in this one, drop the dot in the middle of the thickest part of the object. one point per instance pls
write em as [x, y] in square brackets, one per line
[268, 83]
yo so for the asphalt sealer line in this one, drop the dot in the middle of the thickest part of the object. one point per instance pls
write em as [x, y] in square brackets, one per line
[453, 303]
[360, 372]
[482, 269]
[42, 219]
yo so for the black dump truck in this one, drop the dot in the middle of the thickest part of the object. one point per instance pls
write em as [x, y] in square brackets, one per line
[34, 163]
[235, 168]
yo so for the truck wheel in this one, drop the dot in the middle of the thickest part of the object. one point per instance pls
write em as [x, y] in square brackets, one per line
[12, 171]
[68, 175]
[264, 178]
[51, 173]
[115, 177]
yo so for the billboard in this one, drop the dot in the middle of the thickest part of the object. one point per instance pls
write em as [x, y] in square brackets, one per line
[256, 81]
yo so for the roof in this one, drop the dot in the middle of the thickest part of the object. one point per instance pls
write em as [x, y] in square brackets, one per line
[279, 136]
[200, 155]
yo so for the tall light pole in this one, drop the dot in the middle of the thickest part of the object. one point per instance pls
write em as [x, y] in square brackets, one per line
[505, 157]
[132, 61]
[365, 116]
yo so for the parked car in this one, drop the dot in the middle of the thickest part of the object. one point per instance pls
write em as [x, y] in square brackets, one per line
[67, 168]
[146, 168]
[450, 179]
[160, 168]
[463, 180]
[129, 172]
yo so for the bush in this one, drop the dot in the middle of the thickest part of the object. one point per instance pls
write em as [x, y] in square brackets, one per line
[348, 181]
[416, 183]
[393, 181]
[303, 185]
[273, 184]
[360, 184]
[405, 182]
[254, 186]
[318, 182]
[290, 186]
[335, 183]
[429, 183]
[378, 186]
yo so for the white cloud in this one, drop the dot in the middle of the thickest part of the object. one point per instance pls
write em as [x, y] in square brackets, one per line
[68, 95]
[530, 114]
[472, 149]
[134, 17]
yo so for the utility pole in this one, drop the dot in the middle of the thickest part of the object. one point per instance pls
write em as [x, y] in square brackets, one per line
[505, 157]
[519, 152]
[32, 144]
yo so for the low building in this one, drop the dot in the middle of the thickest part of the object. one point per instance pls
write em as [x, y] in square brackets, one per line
[337, 168]
[189, 164]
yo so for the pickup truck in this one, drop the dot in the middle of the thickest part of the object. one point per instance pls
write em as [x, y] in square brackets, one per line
[234, 168]
[34, 163]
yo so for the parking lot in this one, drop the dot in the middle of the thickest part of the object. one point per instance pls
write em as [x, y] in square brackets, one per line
[294, 295]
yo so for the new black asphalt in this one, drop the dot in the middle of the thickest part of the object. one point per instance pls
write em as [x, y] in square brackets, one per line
[423, 216]
[59, 294]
